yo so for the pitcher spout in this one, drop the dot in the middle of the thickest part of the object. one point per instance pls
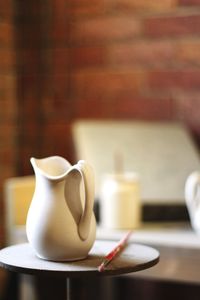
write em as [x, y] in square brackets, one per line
[53, 167]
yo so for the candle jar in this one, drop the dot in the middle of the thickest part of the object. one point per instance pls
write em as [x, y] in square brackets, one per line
[120, 201]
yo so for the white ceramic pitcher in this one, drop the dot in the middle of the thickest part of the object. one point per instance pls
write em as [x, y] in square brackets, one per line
[60, 223]
[192, 197]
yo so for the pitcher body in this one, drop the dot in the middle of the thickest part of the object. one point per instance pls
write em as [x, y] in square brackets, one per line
[60, 223]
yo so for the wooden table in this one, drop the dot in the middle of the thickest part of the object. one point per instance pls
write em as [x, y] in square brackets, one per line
[22, 259]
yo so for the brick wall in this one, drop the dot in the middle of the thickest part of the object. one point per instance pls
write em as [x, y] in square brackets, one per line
[145, 60]
[104, 59]
[122, 59]
[8, 107]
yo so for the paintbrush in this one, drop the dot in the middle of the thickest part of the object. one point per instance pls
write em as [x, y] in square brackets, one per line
[112, 254]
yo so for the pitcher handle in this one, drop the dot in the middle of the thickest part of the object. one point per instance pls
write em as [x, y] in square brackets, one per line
[87, 174]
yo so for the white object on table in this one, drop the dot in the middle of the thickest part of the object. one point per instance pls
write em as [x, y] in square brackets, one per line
[120, 201]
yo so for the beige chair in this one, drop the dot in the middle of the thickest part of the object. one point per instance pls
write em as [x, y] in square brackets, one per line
[18, 192]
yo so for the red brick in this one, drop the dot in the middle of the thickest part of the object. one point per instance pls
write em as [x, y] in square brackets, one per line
[9, 105]
[7, 156]
[156, 54]
[85, 3]
[57, 139]
[172, 26]
[107, 83]
[32, 131]
[59, 7]
[7, 85]
[58, 30]
[29, 87]
[30, 61]
[86, 7]
[172, 80]
[8, 134]
[105, 29]
[189, 2]
[143, 53]
[6, 33]
[8, 171]
[25, 153]
[6, 8]
[87, 56]
[146, 5]
[60, 85]
[188, 53]
[59, 60]
[55, 60]
[93, 108]
[143, 108]
[8, 97]
[124, 107]
[55, 95]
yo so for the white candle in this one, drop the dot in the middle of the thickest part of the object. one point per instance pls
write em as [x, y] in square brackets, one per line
[120, 201]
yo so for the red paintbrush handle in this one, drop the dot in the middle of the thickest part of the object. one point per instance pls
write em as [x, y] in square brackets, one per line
[114, 252]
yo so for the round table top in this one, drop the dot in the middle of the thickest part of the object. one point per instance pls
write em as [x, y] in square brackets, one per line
[21, 258]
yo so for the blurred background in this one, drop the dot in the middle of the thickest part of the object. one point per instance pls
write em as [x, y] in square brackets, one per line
[102, 59]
